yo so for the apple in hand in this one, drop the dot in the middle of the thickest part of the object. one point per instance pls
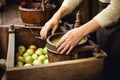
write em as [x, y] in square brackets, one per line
[21, 48]
[32, 47]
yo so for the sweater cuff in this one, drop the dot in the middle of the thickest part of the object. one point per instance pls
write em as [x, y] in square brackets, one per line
[109, 15]
[103, 19]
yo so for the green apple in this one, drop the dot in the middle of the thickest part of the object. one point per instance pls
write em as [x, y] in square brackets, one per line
[33, 47]
[46, 61]
[28, 59]
[76, 55]
[37, 62]
[20, 58]
[30, 51]
[26, 54]
[27, 64]
[19, 53]
[21, 48]
[42, 58]
[35, 56]
[45, 50]
[46, 55]
[19, 64]
[39, 51]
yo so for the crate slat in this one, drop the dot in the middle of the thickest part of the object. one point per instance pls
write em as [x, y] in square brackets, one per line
[82, 69]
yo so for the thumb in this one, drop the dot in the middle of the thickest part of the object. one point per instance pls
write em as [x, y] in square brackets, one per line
[54, 29]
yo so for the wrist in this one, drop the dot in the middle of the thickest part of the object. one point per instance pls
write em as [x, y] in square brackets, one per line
[57, 16]
[83, 31]
[89, 27]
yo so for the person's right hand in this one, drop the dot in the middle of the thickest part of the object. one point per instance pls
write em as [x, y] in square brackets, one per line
[51, 24]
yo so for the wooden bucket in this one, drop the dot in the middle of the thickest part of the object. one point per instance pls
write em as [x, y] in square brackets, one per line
[33, 13]
[82, 50]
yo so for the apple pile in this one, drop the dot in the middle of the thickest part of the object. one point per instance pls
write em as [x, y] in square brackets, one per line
[31, 56]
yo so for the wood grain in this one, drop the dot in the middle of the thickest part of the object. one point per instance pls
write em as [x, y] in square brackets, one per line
[82, 69]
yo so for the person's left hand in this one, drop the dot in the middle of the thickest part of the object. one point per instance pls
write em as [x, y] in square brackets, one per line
[69, 41]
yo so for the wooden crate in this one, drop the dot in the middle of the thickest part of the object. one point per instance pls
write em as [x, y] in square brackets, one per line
[81, 69]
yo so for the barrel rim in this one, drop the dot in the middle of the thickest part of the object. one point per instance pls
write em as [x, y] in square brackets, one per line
[31, 9]
[48, 39]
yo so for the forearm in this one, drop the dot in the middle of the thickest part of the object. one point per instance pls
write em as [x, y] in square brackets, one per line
[67, 7]
[71, 4]
[63, 11]
[110, 14]
[89, 27]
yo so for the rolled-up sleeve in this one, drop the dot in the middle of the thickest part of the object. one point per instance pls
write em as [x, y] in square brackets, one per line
[110, 14]
[71, 4]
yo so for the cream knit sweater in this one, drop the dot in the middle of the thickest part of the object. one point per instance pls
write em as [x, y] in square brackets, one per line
[109, 15]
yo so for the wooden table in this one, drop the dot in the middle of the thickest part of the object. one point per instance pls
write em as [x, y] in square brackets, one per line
[10, 15]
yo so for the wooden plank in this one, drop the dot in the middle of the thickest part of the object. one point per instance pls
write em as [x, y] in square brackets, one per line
[10, 15]
[10, 54]
[82, 69]
[4, 76]
[3, 41]
[0, 19]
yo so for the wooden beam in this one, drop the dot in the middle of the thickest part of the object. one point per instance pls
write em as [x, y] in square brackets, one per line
[0, 18]
[81, 69]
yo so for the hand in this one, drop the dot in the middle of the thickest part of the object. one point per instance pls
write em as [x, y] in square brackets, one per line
[69, 41]
[51, 24]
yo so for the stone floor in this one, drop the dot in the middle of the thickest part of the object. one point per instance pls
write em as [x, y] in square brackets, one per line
[10, 15]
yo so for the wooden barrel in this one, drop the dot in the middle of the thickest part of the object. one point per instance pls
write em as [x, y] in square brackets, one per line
[54, 56]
